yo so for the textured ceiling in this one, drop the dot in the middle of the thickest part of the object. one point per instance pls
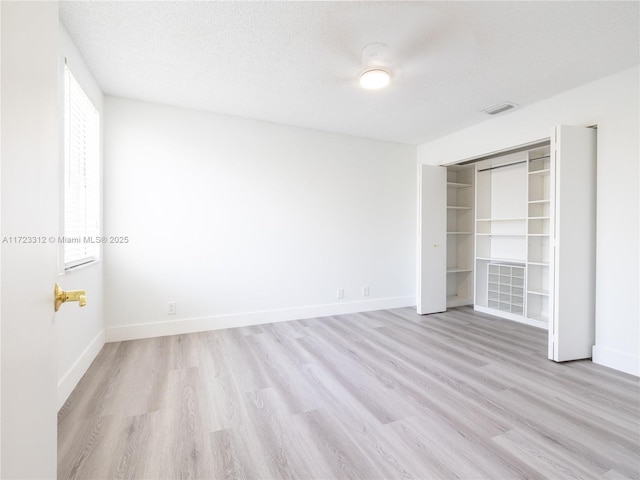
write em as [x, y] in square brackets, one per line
[297, 62]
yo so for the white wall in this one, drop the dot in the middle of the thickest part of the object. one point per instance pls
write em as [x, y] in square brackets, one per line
[80, 330]
[243, 222]
[612, 104]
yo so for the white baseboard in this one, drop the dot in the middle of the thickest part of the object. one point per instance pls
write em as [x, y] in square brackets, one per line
[70, 379]
[512, 316]
[622, 361]
[217, 322]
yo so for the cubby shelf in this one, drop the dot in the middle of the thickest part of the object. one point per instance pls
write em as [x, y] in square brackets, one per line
[459, 233]
[540, 172]
[502, 260]
[516, 219]
[538, 292]
[458, 301]
[458, 270]
[456, 207]
[458, 185]
[505, 288]
[501, 234]
[540, 318]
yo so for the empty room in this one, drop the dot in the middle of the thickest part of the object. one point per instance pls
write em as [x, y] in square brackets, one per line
[268, 239]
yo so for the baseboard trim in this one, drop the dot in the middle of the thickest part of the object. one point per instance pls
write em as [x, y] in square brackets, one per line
[70, 379]
[217, 322]
[622, 361]
[512, 316]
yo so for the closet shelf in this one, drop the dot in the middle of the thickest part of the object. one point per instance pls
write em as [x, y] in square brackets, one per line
[460, 228]
[542, 264]
[458, 185]
[539, 318]
[518, 261]
[501, 219]
[539, 201]
[539, 218]
[545, 171]
[457, 301]
[536, 291]
[501, 234]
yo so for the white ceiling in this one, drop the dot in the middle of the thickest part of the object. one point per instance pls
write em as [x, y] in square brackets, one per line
[297, 62]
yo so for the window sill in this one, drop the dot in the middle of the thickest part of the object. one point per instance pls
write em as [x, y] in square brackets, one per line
[77, 268]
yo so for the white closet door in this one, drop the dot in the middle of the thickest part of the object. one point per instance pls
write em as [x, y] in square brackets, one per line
[432, 240]
[573, 196]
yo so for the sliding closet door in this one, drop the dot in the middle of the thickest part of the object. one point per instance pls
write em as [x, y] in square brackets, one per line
[573, 197]
[432, 240]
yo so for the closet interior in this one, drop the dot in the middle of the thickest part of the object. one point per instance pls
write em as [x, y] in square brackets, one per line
[520, 238]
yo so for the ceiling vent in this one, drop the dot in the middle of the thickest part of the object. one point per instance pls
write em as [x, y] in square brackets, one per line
[496, 109]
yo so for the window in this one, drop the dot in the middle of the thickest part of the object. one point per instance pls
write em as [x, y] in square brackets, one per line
[81, 242]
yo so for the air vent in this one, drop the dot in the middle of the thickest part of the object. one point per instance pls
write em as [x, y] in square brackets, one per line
[496, 109]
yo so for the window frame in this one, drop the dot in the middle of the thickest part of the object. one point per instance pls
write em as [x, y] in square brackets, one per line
[80, 244]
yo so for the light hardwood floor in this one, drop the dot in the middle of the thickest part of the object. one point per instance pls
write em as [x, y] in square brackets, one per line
[385, 394]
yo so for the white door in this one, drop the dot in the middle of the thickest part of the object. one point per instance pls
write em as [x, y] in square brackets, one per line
[432, 238]
[29, 204]
[573, 197]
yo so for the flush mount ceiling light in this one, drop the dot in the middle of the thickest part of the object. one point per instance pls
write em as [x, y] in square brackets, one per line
[375, 65]
[374, 79]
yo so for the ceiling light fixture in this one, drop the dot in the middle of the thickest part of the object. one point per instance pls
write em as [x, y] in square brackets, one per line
[375, 64]
[374, 79]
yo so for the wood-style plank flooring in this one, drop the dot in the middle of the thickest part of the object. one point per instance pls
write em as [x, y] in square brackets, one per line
[375, 395]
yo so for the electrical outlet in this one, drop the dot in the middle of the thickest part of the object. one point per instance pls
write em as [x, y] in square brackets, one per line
[340, 294]
[171, 308]
[365, 291]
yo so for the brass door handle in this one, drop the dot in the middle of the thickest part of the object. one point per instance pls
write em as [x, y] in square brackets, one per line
[60, 297]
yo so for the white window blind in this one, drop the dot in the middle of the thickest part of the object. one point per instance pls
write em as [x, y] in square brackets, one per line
[81, 176]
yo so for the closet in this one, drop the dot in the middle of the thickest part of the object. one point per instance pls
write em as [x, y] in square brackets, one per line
[505, 252]
[460, 241]
[514, 235]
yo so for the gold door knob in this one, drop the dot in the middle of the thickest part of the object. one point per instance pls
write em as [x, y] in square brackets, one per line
[60, 297]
